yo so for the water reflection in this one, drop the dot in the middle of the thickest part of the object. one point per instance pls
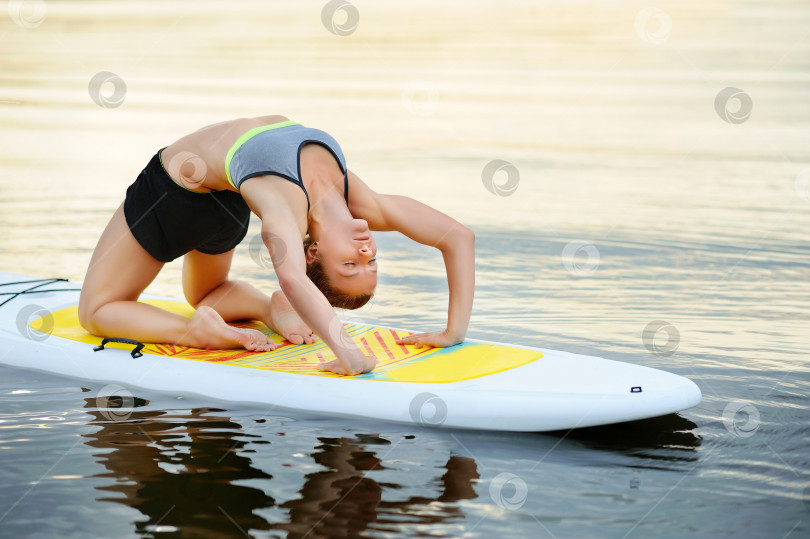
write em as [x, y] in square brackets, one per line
[670, 438]
[187, 472]
[344, 500]
[180, 470]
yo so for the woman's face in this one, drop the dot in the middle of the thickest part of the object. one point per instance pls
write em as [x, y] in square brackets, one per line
[348, 255]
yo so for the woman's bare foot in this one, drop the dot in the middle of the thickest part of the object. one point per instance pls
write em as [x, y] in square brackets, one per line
[286, 322]
[209, 330]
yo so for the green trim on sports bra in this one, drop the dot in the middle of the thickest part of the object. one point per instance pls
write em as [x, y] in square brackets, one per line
[247, 136]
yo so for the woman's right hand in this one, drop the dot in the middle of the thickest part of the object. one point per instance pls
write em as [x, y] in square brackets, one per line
[358, 365]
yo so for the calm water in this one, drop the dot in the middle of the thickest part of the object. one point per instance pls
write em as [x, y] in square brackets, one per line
[631, 190]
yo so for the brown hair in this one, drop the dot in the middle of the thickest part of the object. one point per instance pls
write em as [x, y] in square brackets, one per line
[337, 299]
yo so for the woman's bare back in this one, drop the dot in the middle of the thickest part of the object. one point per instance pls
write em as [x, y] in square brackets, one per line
[197, 161]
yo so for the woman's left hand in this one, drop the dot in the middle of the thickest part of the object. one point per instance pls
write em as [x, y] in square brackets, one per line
[438, 339]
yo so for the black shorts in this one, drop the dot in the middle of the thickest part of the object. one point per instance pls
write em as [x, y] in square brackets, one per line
[169, 220]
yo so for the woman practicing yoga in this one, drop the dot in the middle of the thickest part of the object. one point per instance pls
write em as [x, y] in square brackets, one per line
[194, 200]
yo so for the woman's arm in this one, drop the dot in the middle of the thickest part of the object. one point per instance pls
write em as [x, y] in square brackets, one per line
[427, 226]
[315, 311]
[282, 233]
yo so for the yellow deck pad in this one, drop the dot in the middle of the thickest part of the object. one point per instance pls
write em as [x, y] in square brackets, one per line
[397, 362]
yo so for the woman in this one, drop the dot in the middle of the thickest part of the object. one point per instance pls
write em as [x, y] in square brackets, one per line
[194, 200]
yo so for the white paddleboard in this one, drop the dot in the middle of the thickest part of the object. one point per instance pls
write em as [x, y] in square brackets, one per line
[478, 384]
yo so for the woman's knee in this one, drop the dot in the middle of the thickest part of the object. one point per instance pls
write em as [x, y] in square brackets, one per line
[87, 313]
[89, 305]
[204, 273]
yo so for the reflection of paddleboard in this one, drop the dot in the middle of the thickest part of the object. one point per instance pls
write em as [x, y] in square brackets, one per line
[477, 384]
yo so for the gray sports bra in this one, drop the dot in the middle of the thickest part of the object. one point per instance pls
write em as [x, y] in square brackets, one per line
[276, 149]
